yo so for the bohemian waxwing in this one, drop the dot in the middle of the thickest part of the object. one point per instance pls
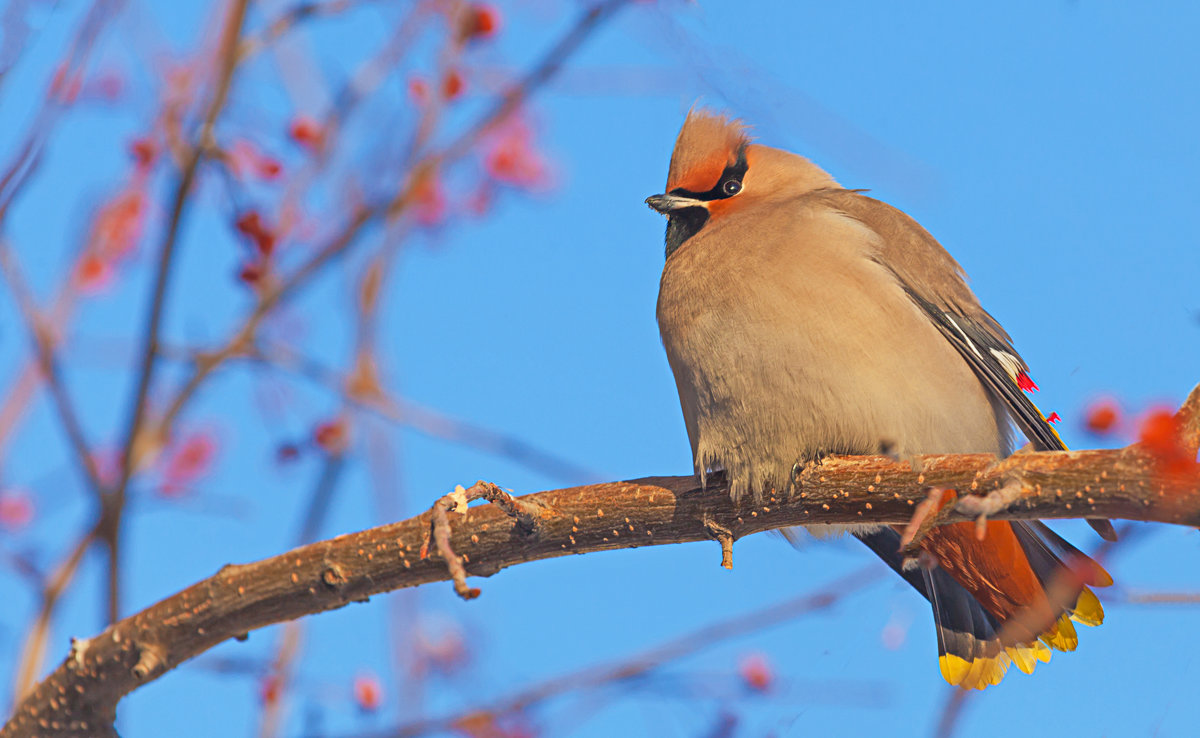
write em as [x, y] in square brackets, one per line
[803, 319]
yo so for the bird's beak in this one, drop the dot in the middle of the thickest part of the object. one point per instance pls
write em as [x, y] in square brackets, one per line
[667, 204]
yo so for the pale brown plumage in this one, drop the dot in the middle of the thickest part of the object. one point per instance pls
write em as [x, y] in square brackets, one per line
[774, 365]
[802, 319]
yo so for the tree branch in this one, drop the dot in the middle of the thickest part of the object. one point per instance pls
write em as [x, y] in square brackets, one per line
[629, 669]
[80, 696]
[393, 205]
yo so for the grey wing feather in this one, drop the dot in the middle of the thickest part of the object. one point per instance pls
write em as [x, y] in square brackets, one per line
[992, 364]
[937, 283]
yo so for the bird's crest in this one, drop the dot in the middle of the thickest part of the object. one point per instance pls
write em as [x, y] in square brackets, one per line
[707, 143]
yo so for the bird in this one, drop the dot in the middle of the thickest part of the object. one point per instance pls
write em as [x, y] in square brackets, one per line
[801, 320]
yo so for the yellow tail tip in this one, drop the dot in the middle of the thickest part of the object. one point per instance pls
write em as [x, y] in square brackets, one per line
[984, 671]
[954, 668]
[1088, 610]
[1061, 636]
[977, 673]
[1026, 655]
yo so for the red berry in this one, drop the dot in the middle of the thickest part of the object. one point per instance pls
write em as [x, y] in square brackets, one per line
[482, 21]
[143, 151]
[306, 132]
[1102, 417]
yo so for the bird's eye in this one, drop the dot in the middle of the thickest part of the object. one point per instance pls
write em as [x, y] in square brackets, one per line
[731, 187]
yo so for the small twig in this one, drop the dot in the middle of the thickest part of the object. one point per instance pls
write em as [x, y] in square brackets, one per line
[361, 84]
[956, 700]
[34, 647]
[322, 496]
[29, 155]
[151, 659]
[1162, 598]
[525, 513]
[290, 19]
[17, 32]
[1189, 420]
[440, 532]
[280, 674]
[527, 516]
[537, 76]
[724, 536]
[40, 334]
[431, 112]
[17, 397]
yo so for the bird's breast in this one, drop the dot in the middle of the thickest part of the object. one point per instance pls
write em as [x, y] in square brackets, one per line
[788, 341]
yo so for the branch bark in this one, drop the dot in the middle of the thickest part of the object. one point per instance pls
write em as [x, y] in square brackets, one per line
[80, 696]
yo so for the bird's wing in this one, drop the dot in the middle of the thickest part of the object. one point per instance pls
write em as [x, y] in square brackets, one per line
[1000, 368]
[936, 283]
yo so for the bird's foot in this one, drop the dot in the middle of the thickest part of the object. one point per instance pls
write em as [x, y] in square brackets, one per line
[981, 506]
[800, 468]
[924, 518]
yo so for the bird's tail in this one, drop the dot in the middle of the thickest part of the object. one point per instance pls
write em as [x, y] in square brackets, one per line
[1008, 599]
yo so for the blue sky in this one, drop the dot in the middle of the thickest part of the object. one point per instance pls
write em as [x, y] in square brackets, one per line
[1050, 146]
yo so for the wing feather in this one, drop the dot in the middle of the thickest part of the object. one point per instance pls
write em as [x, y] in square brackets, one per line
[937, 283]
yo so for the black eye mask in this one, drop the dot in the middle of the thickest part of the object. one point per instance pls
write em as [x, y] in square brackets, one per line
[685, 223]
[729, 184]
